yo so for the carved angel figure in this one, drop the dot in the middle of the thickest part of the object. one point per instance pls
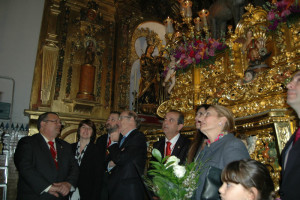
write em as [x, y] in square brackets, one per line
[171, 74]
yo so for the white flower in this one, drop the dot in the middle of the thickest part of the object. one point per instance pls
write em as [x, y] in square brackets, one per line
[173, 158]
[179, 171]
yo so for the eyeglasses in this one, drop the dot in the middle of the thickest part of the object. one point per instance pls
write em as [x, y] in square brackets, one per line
[122, 117]
[54, 121]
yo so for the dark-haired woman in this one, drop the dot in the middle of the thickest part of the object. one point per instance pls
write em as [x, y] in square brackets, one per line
[87, 156]
[199, 138]
[246, 179]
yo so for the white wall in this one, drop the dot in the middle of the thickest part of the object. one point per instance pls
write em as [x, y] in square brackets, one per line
[20, 23]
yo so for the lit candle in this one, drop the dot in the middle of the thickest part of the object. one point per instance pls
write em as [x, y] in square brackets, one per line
[188, 8]
[197, 22]
[203, 14]
[169, 26]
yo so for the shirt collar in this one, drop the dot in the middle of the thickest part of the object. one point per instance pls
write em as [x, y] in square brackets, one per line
[47, 139]
[174, 139]
[127, 134]
[220, 136]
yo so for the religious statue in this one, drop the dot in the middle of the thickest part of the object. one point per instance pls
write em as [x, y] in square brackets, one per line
[87, 72]
[149, 81]
[90, 53]
[255, 50]
[170, 74]
[256, 53]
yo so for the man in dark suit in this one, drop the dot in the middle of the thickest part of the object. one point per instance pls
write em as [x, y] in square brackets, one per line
[173, 143]
[103, 142]
[290, 162]
[46, 165]
[127, 160]
[111, 125]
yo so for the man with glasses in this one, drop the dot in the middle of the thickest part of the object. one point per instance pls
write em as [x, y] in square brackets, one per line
[290, 162]
[103, 142]
[129, 156]
[46, 164]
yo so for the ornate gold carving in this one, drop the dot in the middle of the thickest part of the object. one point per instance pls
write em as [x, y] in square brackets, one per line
[259, 105]
[50, 54]
[224, 83]
[66, 30]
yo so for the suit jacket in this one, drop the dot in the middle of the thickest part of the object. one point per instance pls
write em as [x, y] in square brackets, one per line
[103, 150]
[124, 181]
[101, 144]
[37, 169]
[219, 154]
[180, 150]
[89, 181]
[290, 175]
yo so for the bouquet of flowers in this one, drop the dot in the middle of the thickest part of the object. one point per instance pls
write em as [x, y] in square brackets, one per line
[198, 52]
[170, 181]
[282, 11]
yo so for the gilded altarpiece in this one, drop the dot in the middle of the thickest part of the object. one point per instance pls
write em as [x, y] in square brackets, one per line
[75, 64]
[263, 119]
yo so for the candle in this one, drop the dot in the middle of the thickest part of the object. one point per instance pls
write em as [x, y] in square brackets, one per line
[197, 22]
[203, 14]
[169, 25]
[188, 8]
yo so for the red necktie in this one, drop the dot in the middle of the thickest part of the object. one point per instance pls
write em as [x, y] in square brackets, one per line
[168, 149]
[53, 153]
[297, 135]
[109, 142]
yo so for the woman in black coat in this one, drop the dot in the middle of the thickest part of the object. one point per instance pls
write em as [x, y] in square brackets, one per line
[88, 158]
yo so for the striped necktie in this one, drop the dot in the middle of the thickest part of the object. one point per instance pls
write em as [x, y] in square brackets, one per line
[53, 153]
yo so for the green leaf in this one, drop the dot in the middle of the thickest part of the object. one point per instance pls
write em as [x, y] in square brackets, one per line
[156, 154]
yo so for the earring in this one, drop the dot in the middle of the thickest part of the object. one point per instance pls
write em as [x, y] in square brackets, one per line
[220, 123]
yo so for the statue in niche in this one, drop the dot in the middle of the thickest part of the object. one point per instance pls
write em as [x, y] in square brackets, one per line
[149, 81]
[87, 71]
[256, 53]
[90, 52]
[255, 49]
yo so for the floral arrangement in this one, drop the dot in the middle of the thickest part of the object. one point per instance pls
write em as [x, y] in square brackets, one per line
[197, 52]
[170, 181]
[282, 11]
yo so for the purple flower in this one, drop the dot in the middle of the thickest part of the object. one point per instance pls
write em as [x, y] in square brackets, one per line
[285, 13]
[198, 56]
[211, 52]
[182, 56]
[189, 60]
[271, 15]
[215, 44]
[181, 48]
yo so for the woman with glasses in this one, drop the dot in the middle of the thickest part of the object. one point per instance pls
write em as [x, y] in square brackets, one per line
[222, 147]
[87, 155]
